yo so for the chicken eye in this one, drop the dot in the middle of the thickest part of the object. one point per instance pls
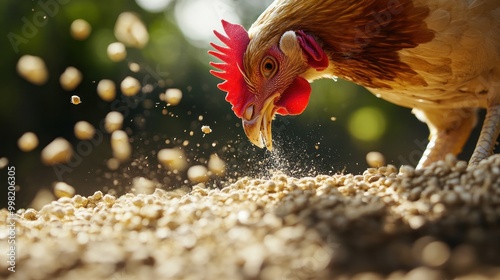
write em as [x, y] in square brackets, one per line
[269, 66]
[249, 112]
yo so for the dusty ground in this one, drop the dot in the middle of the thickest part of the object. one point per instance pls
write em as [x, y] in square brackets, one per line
[438, 223]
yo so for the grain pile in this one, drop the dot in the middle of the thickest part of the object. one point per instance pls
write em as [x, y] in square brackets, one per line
[436, 223]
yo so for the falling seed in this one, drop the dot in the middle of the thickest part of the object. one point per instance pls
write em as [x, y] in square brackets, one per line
[70, 78]
[375, 159]
[42, 198]
[333, 119]
[206, 129]
[216, 165]
[120, 145]
[143, 185]
[113, 121]
[106, 89]
[75, 99]
[130, 86]
[116, 51]
[134, 67]
[113, 163]
[130, 30]
[80, 29]
[172, 159]
[33, 69]
[3, 162]
[62, 189]
[27, 142]
[173, 96]
[84, 130]
[57, 151]
[197, 174]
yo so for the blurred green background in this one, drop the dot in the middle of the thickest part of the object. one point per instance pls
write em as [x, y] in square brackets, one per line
[341, 124]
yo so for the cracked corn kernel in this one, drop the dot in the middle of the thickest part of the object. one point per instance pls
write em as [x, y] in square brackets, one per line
[84, 130]
[27, 142]
[33, 69]
[75, 100]
[106, 89]
[109, 199]
[30, 214]
[116, 51]
[70, 78]
[113, 121]
[62, 189]
[173, 96]
[206, 129]
[57, 151]
[130, 86]
[80, 29]
[96, 196]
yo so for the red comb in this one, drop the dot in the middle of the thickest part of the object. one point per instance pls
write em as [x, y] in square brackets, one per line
[232, 65]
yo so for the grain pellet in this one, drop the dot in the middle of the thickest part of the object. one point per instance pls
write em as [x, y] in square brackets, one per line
[106, 89]
[113, 121]
[173, 96]
[116, 51]
[62, 189]
[130, 86]
[197, 174]
[80, 29]
[70, 78]
[84, 130]
[131, 31]
[27, 142]
[172, 159]
[33, 69]
[120, 145]
[57, 151]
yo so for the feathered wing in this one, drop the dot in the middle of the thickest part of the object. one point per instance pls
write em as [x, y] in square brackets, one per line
[461, 67]
[464, 54]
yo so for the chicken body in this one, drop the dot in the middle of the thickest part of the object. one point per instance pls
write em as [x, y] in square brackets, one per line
[441, 58]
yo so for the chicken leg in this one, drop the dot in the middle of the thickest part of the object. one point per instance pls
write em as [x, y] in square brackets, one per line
[488, 136]
[449, 131]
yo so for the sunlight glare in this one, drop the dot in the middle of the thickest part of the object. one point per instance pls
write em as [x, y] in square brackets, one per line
[198, 18]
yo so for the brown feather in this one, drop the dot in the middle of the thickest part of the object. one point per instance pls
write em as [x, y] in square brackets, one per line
[362, 38]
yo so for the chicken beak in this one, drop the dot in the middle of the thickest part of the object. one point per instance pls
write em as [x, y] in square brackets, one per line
[258, 129]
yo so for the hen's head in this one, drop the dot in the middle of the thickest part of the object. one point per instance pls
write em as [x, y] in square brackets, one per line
[262, 80]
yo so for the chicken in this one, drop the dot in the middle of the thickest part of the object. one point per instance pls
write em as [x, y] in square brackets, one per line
[440, 58]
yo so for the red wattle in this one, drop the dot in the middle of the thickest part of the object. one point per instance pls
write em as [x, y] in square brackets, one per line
[294, 99]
